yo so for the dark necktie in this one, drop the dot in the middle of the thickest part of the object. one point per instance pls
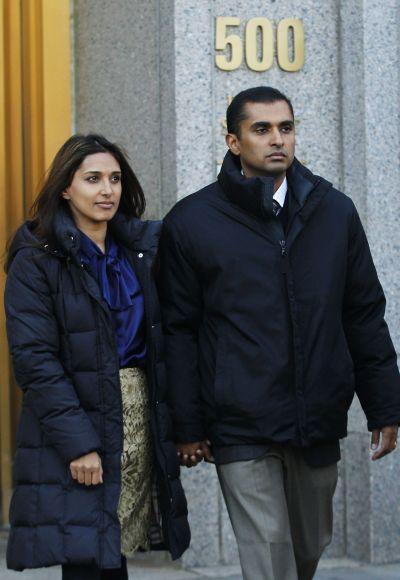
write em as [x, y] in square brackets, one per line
[276, 207]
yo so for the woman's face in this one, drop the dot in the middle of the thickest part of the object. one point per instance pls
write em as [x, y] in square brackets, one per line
[95, 191]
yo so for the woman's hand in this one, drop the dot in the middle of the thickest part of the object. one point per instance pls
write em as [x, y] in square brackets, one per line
[87, 469]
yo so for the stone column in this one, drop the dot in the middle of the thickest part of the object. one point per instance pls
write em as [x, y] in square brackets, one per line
[117, 78]
[370, 83]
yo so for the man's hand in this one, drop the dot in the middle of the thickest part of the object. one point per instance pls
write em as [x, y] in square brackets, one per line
[190, 454]
[388, 443]
[87, 469]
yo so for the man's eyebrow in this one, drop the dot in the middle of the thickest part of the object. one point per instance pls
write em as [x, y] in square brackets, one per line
[266, 124]
[259, 124]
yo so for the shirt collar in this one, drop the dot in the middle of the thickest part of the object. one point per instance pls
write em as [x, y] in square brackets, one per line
[280, 193]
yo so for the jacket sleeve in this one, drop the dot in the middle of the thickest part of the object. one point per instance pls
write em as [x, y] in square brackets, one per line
[181, 306]
[33, 337]
[375, 363]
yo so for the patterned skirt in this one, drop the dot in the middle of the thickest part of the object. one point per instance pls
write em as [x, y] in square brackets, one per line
[135, 503]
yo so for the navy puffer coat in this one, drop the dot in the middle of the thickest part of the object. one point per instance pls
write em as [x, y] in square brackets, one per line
[65, 361]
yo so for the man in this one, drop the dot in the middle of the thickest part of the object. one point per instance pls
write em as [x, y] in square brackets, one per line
[274, 316]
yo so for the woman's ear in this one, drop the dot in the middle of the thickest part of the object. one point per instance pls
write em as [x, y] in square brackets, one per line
[65, 194]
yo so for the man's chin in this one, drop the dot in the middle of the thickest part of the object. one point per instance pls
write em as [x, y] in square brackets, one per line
[276, 168]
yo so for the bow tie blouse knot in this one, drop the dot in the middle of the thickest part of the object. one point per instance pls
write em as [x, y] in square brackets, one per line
[118, 284]
[116, 292]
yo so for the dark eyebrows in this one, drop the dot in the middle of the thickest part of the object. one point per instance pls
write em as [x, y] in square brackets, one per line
[267, 125]
[289, 122]
[95, 172]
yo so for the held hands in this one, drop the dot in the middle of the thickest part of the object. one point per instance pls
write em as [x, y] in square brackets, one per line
[388, 442]
[190, 454]
[87, 469]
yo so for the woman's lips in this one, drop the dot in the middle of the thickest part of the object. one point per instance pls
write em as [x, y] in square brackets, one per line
[106, 204]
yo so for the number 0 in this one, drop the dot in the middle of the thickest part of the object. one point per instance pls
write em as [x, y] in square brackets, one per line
[267, 44]
[284, 61]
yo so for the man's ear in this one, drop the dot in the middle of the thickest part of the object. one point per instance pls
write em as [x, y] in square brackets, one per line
[233, 143]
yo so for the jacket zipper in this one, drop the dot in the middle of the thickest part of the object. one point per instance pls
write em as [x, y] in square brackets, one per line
[282, 244]
[299, 389]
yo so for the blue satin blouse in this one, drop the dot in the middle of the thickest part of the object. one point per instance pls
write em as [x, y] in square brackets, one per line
[121, 290]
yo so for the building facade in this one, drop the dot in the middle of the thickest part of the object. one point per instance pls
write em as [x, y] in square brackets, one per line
[157, 76]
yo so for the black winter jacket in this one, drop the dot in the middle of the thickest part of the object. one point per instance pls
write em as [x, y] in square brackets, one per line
[268, 335]
[65, 360]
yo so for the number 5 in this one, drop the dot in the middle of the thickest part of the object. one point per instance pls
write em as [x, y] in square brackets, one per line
[222, 40]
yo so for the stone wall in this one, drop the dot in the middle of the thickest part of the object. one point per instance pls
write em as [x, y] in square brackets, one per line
[146, 77]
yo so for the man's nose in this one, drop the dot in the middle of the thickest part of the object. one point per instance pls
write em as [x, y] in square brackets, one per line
[276, 137]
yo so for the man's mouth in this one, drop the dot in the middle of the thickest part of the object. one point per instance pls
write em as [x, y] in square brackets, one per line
[277, 155]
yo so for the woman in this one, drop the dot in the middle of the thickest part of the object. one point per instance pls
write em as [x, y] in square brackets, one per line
[94, 445]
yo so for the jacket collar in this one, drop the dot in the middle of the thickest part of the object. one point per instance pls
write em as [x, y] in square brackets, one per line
[251, 194]
[130, 232]
[133, 233]
[255, 194]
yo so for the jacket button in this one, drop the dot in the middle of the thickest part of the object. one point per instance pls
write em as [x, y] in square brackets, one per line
[140, 255]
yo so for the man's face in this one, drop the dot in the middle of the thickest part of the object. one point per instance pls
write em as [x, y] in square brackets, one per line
[267, 139]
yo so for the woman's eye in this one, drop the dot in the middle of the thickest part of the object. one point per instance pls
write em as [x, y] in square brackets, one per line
[92, 179]
[116, 178]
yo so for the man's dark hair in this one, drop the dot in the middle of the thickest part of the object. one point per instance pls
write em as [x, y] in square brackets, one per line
[236, 113]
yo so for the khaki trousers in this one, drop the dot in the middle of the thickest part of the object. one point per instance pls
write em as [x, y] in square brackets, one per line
[281, 513]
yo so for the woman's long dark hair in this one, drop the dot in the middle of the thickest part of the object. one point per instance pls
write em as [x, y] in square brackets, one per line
[60, 175]
[66, 162]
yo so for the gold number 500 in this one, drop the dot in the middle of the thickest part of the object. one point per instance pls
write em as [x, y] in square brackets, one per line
[254, 60]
